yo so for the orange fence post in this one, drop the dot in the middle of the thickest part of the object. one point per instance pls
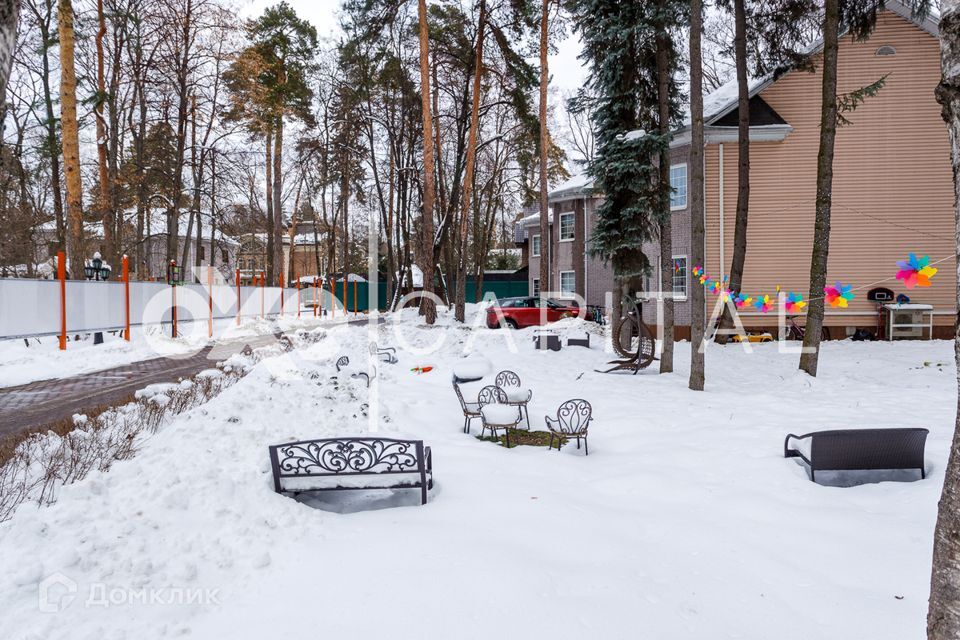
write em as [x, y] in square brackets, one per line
[281, 294]
[316, 297]
[298, 298]
[126, 295]
[62, 276]
[355, 296]
[238, 297]
[173, 290]
[210, 300]
[263, 284]
[344, 295]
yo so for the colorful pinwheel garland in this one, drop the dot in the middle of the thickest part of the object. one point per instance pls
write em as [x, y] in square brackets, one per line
[915, 271]
[839, 295]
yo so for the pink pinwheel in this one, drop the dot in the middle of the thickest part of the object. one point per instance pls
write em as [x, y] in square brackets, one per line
[838, 295]
[915, 271]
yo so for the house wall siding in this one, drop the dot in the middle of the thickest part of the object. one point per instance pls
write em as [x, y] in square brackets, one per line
[892, 188]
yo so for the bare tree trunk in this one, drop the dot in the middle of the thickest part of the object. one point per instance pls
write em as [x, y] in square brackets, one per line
[666, 224]
[427, 306]
[821, 233]
[70, 139]
[545, 247]
[943, 617]
[461, 294]
[9, 16]
[268, 167]
[697, 308]
[195, 199]
[103, 201]
[277, 230]
[52, 137]
[183, 98]
[743, 161]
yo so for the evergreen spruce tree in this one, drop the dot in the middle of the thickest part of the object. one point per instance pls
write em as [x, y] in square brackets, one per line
[620, 46]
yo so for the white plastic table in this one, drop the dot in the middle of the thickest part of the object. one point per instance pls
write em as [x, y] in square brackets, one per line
[924, 309]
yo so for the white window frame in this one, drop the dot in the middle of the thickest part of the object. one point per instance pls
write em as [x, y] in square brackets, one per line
[535, 242]
[572, 292]
[686, 190]
[535, 288]
[573, 226]
[686, 278]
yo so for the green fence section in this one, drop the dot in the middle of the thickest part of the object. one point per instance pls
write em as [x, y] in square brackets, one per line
[360, 300]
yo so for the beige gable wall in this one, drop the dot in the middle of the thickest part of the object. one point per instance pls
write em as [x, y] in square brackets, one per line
[892, 190]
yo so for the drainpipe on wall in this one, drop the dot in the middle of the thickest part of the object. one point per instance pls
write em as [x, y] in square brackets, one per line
[720, 173]
[586, 230]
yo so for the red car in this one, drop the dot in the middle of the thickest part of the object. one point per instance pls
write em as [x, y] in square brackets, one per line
[518, 313]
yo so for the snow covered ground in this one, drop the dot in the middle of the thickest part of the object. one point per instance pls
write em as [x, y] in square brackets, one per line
[42, 359]
[685, 521]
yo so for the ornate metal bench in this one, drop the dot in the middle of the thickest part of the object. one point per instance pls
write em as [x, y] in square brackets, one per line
[860, 449]
[352, 463]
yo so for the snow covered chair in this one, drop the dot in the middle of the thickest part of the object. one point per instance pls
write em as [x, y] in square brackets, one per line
[517, 395]
[471, 410]
[573, 419]
[388, 354]
[496, 413]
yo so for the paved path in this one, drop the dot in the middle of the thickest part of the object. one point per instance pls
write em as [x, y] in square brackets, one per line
[47, 401]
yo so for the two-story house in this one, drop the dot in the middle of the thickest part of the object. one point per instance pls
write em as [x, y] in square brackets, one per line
[892, 188]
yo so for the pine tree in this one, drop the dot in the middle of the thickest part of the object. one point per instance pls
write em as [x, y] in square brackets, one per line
[70, 139]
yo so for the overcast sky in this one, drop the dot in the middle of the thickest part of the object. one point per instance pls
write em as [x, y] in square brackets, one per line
[566, 71]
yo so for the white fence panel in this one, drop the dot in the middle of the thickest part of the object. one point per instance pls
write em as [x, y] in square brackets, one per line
[29, 307]
[32, 307]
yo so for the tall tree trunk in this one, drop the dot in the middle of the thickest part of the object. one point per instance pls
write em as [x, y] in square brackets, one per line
[821, 232]
[277, 230]
[697, 302]
[545, 247]
[461, 295]
[103, 200]
[344, 215]
[183, 113]
[52, 138]
[70, 138]
[426, 259]
[268, 167]
[9, 17]
[195, 198]
[943, 617]
[213, 208]
[666, 224]
[743, 161]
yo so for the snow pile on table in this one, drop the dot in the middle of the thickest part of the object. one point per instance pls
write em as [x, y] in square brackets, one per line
[685, 521]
